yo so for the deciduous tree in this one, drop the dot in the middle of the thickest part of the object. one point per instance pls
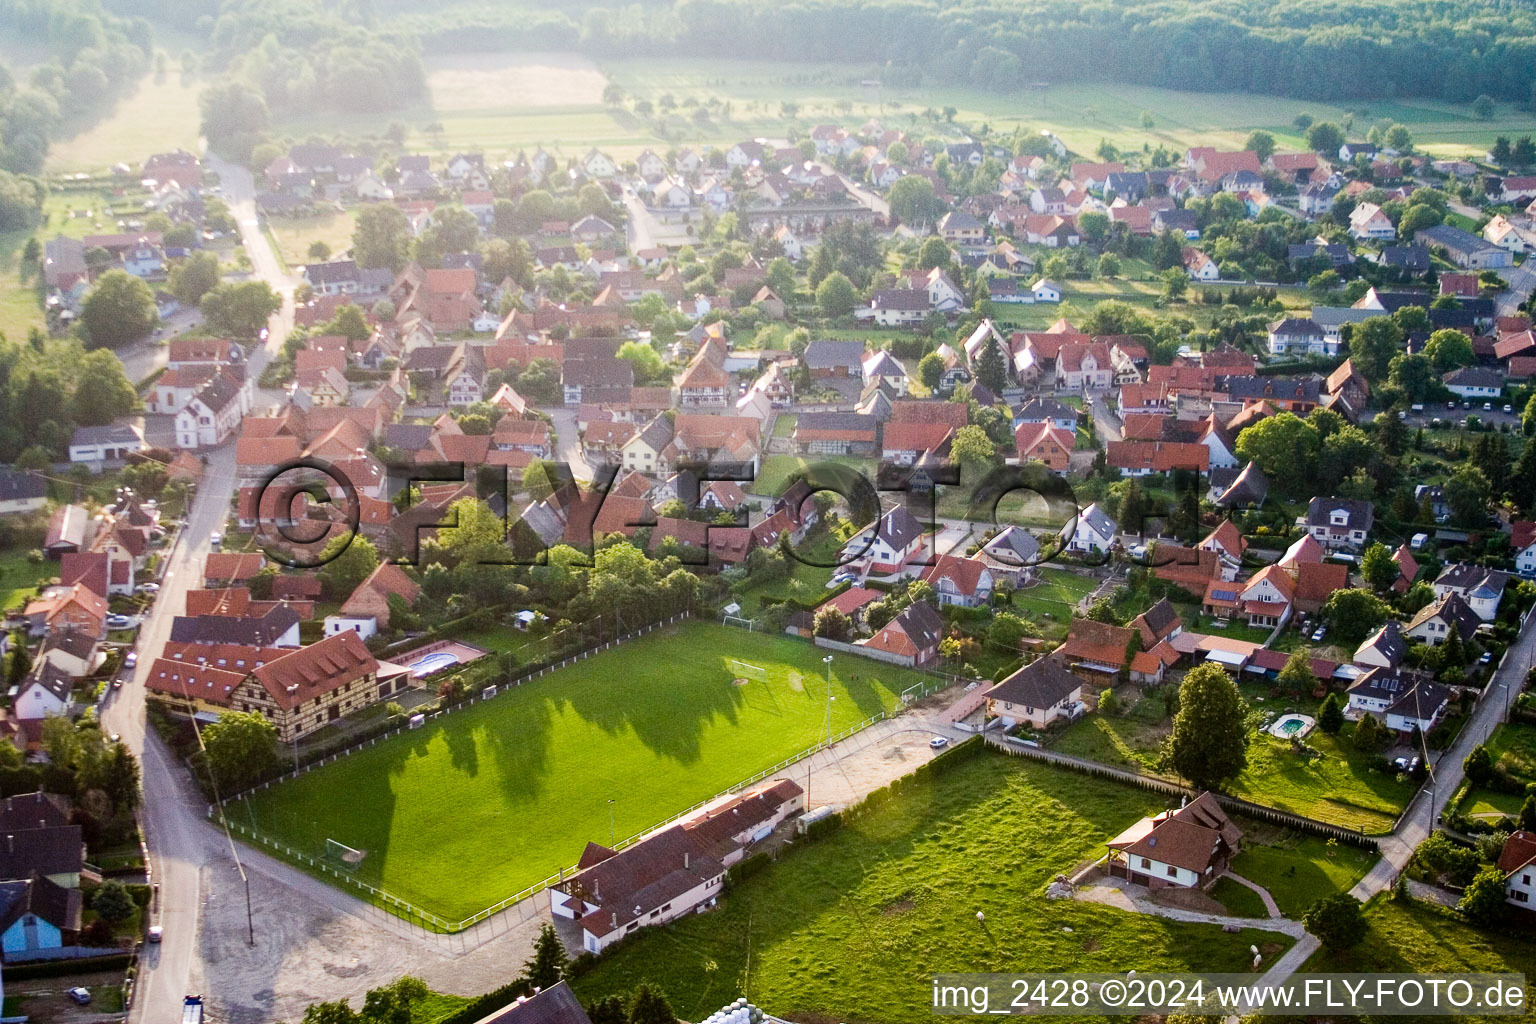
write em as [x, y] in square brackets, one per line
[1209, 744]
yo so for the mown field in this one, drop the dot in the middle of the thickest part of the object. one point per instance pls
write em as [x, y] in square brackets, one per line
[476, 806]
[853, 926]
[1339, 786]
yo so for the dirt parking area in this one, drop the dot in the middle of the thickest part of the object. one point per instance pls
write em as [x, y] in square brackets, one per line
[43, 1000]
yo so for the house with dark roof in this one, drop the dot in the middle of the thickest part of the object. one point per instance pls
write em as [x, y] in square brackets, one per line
[889, 545]
[1189, 847]
[1011, 555]
[911, 638]
[1039, 693]
[37, 915]
[21, 491]
[1384, 648]
[554, 1005]
[836, 433]
[671, 873]
[1339, 524]
[824, 358]
[1481, 588]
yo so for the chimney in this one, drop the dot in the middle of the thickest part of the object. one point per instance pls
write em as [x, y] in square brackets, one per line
[685, 859]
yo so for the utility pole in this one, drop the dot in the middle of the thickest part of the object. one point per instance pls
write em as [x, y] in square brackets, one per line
[610, 821]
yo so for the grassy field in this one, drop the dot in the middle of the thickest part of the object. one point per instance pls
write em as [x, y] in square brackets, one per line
[19, 577]
[1513, 745]
[1298, 870]
[1338, 787]
[503, 102]
[1418, 938]
[294, 235]
[1239, 900]
[157, 116]
[1056, 594]
[777, 470]
[850, 928]
[469, 810]
[806, 582]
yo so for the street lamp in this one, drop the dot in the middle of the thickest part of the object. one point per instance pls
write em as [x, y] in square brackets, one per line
[827, 661]
[610, 821]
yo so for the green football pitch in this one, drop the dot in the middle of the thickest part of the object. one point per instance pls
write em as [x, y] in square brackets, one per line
[479, 804]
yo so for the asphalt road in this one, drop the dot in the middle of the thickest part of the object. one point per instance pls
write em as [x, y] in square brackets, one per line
[181, 843]
[1419, 820]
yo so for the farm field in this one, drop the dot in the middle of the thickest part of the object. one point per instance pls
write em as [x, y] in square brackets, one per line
[503, 102]
[484, 802]
[851, 926]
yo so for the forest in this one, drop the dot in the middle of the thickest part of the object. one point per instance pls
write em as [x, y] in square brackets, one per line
[1446, 49]
[92, 57]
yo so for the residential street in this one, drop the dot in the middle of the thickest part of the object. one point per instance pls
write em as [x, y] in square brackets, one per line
[1397, 849]
[183, 848]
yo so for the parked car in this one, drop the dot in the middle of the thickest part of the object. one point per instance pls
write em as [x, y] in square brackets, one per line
[939, 742]
[147, 588]
[1319, 633]
[1509, 408]
[119, 622]
[1486, 658]
[155, 933]
[130, 659]
[1400, 763]
[1487, 407]
[216, 538]
[79, 995]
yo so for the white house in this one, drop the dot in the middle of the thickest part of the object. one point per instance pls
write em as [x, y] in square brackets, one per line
[1039, 693]
[364, 626]
[675, 872]
[1300, 335]
[598, 165]
[1523, 541]
[1046, 290]
[1187, 848]
[889, 545]
[1367, 221]
[1482, 589]
[965, 582]
[213, 414]
[1518, 863]
[1094, 532]
[43, 693]
[109, 443]
[1475, 382]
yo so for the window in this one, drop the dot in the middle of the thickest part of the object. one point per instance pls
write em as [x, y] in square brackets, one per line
[1145, 862]
[1173, 872]
[1522, 897]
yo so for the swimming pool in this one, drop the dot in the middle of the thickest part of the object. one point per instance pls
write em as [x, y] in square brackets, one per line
[431, 663]
[1292, 726]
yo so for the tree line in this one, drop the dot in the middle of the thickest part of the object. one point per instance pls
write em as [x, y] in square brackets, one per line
[94, 57]
[1456, 50]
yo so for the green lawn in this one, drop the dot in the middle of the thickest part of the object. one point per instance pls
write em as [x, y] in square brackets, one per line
[1338, 787]
[778, 470]
[1239, 900]
[1513, 746]
[784, 425]
[1299, 870]
[19, 577]
[1055, 595]
[294, 235]
[476, 806]
[811, 579]
[1418, 938]
[851, 928]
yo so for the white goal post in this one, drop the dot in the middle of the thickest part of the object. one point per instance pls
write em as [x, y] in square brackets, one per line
[347, 856]
[743, 670]
[742, 621]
